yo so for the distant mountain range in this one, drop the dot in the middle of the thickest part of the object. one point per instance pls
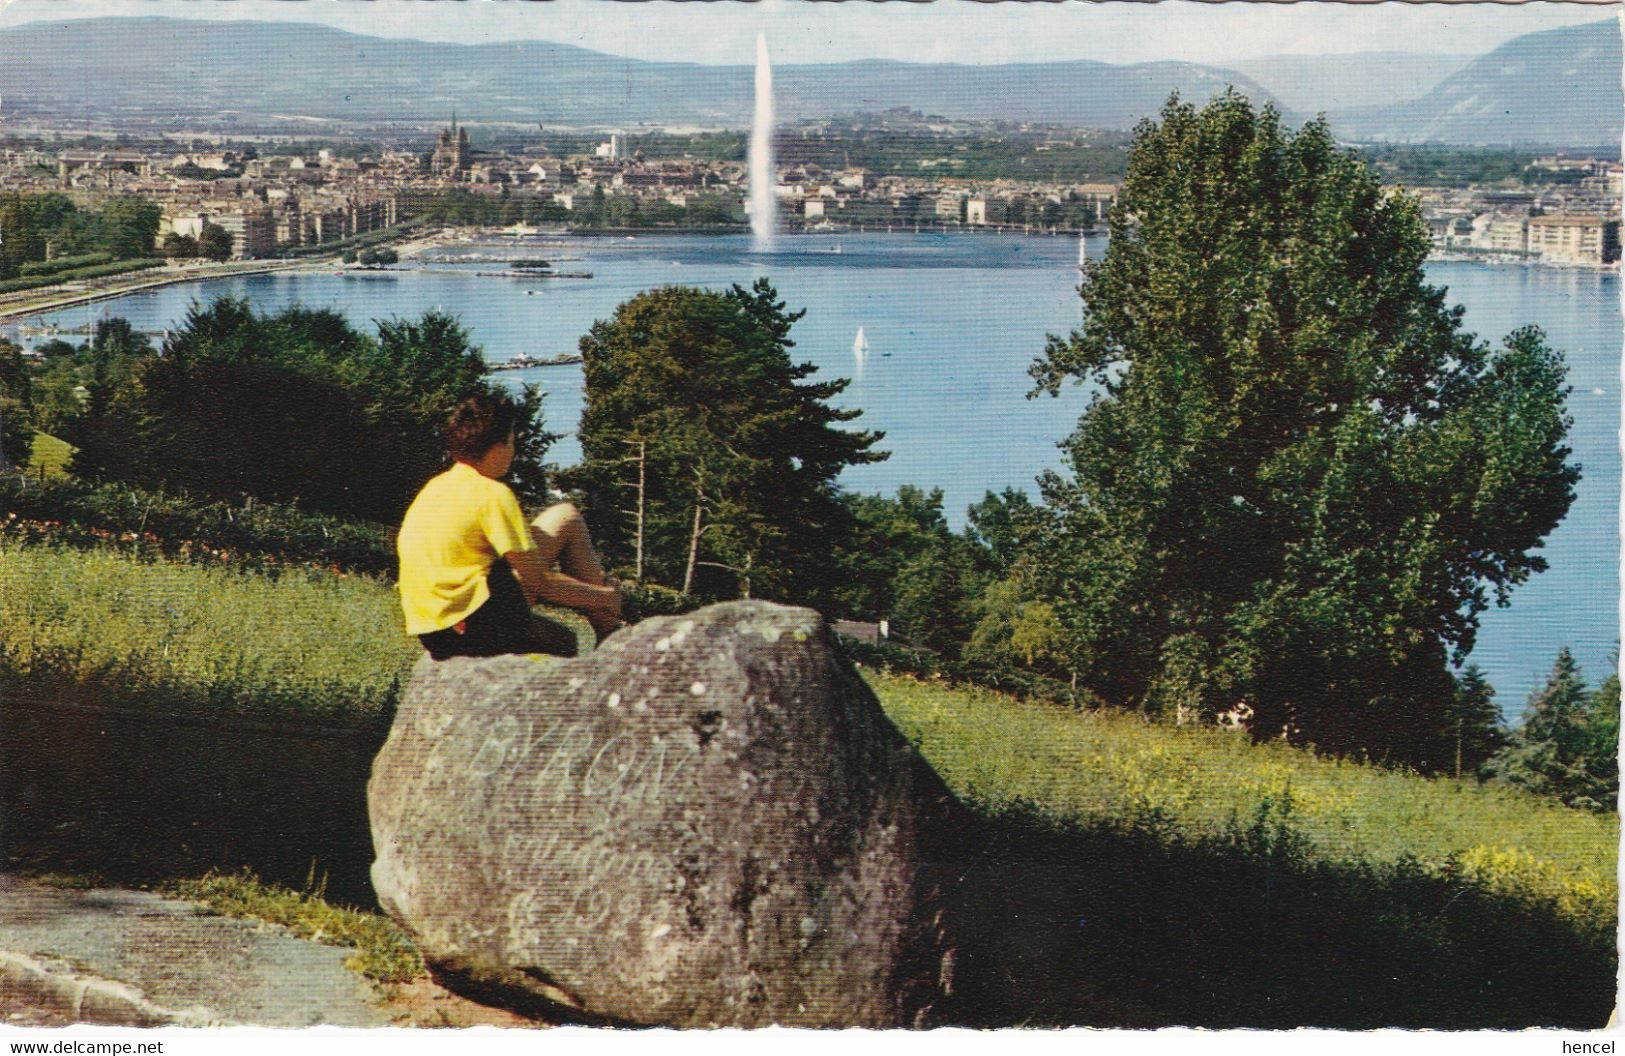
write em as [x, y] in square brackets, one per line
[1560, 87]
[158, 68]
[201, 68]
[1309, 84]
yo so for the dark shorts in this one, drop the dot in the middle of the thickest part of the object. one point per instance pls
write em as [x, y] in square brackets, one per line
[504, 624]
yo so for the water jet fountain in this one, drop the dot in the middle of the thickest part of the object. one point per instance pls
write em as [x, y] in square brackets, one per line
[762, 205]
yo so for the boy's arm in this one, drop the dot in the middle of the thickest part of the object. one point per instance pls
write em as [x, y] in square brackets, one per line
[530, 571]
[541, 583]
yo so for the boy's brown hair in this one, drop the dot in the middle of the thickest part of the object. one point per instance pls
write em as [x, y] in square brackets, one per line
[479, 423]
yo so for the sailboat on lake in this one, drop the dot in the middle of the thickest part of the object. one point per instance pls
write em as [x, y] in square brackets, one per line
[860, 348]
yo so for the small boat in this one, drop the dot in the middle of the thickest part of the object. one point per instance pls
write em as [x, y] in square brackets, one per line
[1083, 254]
[860, 347]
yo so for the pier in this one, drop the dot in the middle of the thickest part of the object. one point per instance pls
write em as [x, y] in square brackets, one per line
[31, 330]
[526, 362]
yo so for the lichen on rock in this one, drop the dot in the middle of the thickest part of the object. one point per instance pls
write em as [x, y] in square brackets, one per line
[708, 821]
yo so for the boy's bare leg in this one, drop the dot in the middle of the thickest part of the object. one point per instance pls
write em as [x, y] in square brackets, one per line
[561, 535]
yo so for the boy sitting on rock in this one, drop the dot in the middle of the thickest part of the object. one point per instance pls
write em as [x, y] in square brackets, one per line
[470, 565]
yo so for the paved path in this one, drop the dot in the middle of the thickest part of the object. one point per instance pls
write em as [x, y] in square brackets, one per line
[130, 957]
[88, 291]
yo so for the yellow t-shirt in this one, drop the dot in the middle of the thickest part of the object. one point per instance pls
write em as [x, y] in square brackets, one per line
[458, 525]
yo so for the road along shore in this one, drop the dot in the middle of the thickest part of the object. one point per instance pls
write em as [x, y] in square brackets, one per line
[71, 295]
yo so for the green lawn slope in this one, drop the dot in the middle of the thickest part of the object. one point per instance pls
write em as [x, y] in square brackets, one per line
[1119, 873]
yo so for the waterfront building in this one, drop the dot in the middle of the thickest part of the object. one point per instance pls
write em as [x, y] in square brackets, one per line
[186, 226]
[983, 210]
[1101, 195]
[1449, 230]
[253, 234]
[1499, 233]
[1573, 239]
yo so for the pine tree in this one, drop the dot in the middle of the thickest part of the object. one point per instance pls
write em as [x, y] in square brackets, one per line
[739, 452]
[1602, 744]
[1473, 724]
[1554, 751]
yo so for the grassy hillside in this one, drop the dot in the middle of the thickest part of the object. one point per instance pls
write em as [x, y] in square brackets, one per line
[1128, 874]
[1119, 873]
[185, 637]
[1087, 768]
[49, 456]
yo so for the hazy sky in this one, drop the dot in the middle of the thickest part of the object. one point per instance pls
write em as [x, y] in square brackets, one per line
[945, 30]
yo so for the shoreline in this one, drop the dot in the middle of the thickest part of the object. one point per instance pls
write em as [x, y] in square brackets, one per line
[53, 299]
[563, 236]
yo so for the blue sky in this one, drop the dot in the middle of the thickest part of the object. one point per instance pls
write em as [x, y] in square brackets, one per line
[800, 31]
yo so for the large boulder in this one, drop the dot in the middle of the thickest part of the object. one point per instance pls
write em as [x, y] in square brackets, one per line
[706, 822]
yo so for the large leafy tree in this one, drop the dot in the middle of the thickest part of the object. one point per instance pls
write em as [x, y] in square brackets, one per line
[693, 393]
[1300, 482]
[888, 534]
[32, 224]
[298, 405]
[41, 226]
[214, 242]
[128, 227]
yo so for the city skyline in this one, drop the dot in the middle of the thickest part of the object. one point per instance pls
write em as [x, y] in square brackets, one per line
[961, 31]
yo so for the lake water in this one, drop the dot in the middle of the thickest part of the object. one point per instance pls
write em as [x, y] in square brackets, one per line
[952, 323]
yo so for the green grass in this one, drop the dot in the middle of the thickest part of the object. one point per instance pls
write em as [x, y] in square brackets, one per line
[50, 456]
[1088, 768]
[324, 647]
[382, 951]
[1127, 874]
[259, 536]
[199, 639]
[1111, 859]
[185, 637]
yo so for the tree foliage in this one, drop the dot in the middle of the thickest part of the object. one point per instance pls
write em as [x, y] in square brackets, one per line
[294, 406]
[1300, 482]
[214, 242]
[107, 364]
[739, 453]
[16, 408]
[41, 227]
[179, 247]
[1472, 722]
[887, 535]
[1568, 743]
